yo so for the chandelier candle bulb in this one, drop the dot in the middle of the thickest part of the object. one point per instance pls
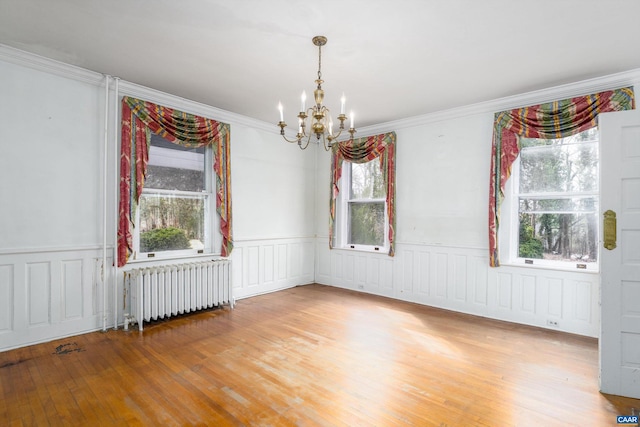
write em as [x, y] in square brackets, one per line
[303, 100]
[352, 120]
[281, 111]
[342, 102]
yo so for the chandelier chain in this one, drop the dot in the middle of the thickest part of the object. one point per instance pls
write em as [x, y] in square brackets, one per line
[319, 62]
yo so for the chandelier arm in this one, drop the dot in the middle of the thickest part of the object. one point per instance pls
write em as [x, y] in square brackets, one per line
[292, 141]
[326, 146]
[306, 145]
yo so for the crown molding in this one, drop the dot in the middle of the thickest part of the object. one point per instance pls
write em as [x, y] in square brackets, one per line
[193, 107]
[584, 87]
[58, 68]
[51, 66]
[598, 84]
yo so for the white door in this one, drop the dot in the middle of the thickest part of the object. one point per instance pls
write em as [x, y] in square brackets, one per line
[620, 266]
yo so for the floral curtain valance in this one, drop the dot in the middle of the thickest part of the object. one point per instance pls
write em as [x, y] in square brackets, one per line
[363, 150]
[139, 120]
[552, 120]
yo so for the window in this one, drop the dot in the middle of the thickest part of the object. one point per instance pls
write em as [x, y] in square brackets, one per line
[175, 209]
[363, 218]
[555, 201]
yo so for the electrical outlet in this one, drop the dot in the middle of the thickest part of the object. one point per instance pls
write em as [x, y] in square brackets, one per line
[360, 286]
[553, 323]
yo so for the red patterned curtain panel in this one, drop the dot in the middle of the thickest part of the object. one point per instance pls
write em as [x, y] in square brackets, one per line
[139, 120]
[552, 120]
[364, 150]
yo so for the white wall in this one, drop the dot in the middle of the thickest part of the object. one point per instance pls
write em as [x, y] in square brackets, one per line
[50, 131]
[442, 184]
[51, 204]
[51, 230]
[52, 121]
[273, 213]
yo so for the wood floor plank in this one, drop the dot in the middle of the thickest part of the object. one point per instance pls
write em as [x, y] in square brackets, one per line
[311, 356]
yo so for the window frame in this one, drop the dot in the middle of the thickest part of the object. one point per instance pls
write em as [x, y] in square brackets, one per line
[213, 236]
[343, 203]
[509, 233]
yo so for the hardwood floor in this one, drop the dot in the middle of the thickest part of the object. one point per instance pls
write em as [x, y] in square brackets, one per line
[312, 355]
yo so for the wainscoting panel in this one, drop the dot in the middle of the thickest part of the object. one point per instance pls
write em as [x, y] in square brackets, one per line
[505, 287]
[365, 266]
[72, 303]
[253, 258]
[441, 270]
[38, 285]
[408, 274]
[460, 279]
[478, 280]
[528, 294]
[387, 277]
[584, 296]
[282, 262]
[369, 272]
[6, 298]
[554, 300]
[424, 264]
[49, 294]
[349, 270]
[267, 265]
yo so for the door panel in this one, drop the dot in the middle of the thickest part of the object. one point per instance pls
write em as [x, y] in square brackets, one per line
[620, 267]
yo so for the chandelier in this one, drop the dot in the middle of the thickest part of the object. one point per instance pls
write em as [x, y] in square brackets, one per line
[321, 122]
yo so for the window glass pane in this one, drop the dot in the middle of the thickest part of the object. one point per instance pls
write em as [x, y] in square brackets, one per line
[171, 223]
[174, 167]
[367, 181]
[566, 205]
[559, 165]
[570, 237]
[366, 224]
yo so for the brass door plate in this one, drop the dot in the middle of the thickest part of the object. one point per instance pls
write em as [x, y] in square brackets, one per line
[609, 230]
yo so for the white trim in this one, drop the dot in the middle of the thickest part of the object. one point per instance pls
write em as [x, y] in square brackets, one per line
[194, 257]
[343, 202]
[543, 264]
[52, 249]
[584, 87]
[596, 84]
[261, 239]
[430, 244]
[193, 107]
[105, 200]
[51, 66]
[41, 63]
[510, 224]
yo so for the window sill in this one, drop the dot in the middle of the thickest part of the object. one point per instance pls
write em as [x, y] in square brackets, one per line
[570, 268]
[369, 250]
[171, 259]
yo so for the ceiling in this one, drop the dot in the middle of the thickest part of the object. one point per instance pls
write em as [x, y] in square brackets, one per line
[393, 59]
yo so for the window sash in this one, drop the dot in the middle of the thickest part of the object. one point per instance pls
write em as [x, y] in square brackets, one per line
[343, 232]
[211, 236]
[516, 196]
[205, 198]
[577, 172]
[350, 238]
